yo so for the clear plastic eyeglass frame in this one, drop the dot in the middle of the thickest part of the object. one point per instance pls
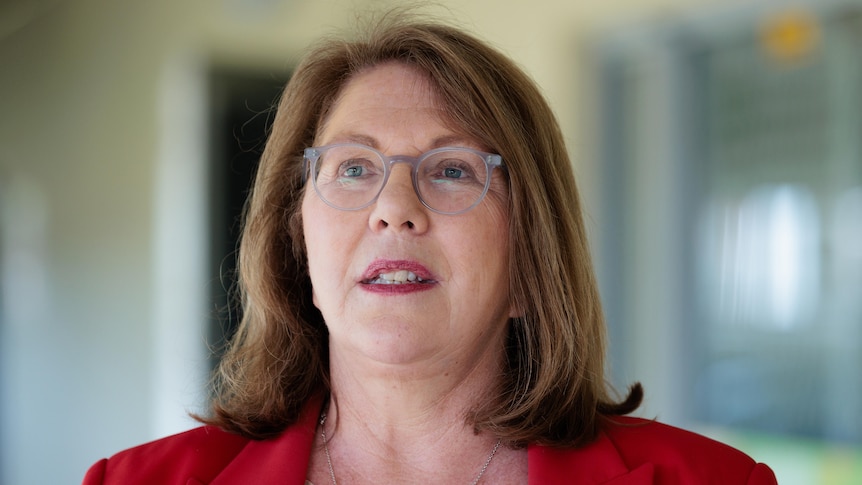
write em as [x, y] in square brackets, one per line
[313, 155]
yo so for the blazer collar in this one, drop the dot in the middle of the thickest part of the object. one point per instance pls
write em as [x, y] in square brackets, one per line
[598, 463]
[283, 459]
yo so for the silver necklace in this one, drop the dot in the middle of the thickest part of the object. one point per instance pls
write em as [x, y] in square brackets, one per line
[332, 470]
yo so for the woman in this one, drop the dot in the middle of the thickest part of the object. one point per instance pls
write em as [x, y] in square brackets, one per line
[419, 302]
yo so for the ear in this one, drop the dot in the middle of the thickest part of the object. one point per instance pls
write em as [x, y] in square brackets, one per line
[314, 298]
[516, 310]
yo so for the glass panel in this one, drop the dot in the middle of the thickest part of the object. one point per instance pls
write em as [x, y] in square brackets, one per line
[776, 235]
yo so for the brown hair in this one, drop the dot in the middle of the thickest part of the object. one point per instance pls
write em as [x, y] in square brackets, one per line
[554, 391]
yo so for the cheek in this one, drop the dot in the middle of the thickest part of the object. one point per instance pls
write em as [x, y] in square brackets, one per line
[315, 238]
[485, 252]
[496, 235]
[313, 254]
[327, 244]
[317, 229]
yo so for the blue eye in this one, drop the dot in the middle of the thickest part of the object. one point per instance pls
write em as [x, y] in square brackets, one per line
[452, 172]
[354, 171]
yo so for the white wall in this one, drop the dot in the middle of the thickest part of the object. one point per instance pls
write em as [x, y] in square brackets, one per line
[101, 153]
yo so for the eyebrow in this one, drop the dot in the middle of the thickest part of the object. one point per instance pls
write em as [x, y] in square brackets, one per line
[441, 141]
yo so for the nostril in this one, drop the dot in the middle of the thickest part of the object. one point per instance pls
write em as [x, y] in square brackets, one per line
[410, 224]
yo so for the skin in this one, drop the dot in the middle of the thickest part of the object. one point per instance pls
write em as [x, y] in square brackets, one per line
[407, 363]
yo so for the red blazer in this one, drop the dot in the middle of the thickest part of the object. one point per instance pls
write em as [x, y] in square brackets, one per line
[648, 453]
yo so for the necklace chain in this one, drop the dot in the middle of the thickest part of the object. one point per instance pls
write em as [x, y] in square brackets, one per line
[332, 470]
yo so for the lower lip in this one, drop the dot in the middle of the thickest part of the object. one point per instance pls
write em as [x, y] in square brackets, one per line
[402, 289]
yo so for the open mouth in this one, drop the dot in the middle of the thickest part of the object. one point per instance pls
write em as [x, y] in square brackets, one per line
[399, 277]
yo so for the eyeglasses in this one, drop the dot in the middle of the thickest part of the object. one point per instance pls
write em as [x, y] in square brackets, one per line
[350, 176]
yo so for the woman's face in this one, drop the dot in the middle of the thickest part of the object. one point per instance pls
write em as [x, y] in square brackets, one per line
[458, 311]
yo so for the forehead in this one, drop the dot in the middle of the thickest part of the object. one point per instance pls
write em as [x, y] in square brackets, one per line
[385, 96]
[392, 79]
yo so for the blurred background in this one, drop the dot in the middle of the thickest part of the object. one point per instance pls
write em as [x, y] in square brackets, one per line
[718, 147]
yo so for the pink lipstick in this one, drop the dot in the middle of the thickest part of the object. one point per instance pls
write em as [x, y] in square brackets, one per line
[396, 277]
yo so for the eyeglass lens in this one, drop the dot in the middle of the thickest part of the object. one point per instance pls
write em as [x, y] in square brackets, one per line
[351, 177]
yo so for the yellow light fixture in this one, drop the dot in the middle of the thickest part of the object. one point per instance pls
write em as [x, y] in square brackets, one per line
[790, 35]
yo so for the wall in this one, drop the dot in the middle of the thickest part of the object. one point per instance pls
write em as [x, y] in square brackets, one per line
[102, 149]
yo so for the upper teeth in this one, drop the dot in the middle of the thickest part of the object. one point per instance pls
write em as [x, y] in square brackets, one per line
[396, 277]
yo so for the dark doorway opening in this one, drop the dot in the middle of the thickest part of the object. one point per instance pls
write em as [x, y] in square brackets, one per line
[243, 107]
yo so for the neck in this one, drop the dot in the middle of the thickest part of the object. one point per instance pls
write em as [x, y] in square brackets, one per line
[405, 421]
[399, 401]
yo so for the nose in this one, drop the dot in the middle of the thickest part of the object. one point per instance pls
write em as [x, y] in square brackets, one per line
[398, 207]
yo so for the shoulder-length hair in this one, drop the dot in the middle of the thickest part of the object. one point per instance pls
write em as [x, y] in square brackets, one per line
[554, 390]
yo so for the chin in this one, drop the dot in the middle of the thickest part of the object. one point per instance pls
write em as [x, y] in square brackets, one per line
[400, 348]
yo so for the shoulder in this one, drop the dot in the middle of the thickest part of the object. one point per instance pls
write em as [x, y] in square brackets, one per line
[201, 453]
[681, 456]
[636, 437]
[208, 455]
[637, 451]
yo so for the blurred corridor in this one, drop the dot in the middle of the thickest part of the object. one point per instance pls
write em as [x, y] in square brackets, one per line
[718, 148]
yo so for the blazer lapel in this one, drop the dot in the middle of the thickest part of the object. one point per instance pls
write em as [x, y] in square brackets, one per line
[598, 463]
[642, 475]
[283, 459]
